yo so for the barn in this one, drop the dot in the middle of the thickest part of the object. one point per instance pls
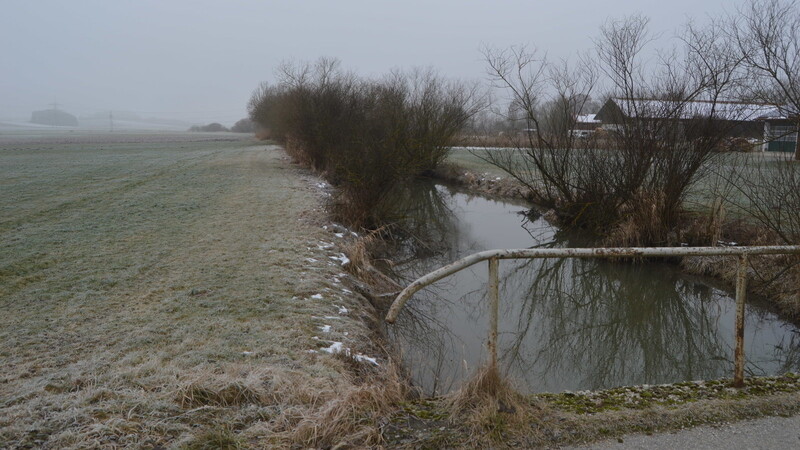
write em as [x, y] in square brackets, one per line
[743, 119]
[775, 127]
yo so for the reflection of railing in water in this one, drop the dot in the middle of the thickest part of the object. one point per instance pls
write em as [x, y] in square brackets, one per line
[494, 257]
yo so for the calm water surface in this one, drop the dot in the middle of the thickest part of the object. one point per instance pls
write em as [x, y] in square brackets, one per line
[565, 324]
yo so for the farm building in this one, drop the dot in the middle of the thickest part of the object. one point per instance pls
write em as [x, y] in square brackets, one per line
[780, 132]
[585, 125]
[742, 119]
[771, 125]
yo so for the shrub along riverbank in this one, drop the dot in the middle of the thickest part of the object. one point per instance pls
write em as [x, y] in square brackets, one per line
[365, 136]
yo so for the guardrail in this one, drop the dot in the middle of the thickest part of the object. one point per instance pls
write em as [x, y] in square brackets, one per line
[494, 257]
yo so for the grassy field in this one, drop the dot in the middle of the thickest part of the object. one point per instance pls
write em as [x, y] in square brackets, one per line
[701, 196]
[468, 159]
[166, 290]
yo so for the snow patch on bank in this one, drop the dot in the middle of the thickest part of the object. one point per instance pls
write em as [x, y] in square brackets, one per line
[337, 347]
[342, 258]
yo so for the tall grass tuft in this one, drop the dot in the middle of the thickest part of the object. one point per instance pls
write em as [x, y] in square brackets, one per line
[490, 407]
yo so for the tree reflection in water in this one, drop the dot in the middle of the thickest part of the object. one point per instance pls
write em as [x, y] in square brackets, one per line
[565, 323]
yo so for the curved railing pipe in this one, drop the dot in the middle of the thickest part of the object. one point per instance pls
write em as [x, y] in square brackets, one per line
[493, 256]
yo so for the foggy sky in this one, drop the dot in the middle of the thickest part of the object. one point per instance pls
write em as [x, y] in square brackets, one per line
[200, 60]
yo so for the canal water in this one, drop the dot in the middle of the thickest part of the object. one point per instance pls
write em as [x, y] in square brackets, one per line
[565, 324]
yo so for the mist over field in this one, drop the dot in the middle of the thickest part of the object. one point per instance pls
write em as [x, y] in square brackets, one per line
[198, 62]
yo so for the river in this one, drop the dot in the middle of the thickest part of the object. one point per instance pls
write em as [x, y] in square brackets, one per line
[565, 324]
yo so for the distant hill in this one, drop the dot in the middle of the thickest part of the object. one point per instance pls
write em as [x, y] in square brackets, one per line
[54, 117]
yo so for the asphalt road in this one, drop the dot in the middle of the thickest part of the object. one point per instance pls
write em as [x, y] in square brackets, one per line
[764, 433]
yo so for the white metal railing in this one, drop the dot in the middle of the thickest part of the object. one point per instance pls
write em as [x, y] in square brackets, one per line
[494, 257]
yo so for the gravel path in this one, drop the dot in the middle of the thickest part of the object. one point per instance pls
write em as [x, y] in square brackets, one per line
[765, 433]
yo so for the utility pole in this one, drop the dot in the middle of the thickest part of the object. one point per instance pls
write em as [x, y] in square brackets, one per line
[111, 120]
[797, 138]
[55, 108]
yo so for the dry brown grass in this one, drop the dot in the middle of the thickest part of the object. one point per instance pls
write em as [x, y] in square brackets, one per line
[263, 134]
[360, 251]
[641, 225]
[489, 408]
[555, 420]
[234, 394]
[215, 439]
[774, 277]
[355, 415]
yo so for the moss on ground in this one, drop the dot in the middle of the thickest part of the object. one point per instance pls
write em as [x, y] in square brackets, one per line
[580, 417]
[667, 395]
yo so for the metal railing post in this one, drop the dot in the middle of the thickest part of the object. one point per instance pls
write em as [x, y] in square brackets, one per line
[741, 293]
[494, 304]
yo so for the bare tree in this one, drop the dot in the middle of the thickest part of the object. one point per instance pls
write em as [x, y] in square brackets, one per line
[767, 34]
[676, 117]
[669, 121]
[544, 97]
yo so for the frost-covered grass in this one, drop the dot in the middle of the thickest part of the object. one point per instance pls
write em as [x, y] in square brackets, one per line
[465, 157]
[160, 290]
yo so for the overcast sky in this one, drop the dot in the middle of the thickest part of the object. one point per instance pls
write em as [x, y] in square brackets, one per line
[200, 60]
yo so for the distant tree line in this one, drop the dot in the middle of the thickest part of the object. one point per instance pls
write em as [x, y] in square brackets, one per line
[54, 117]
[212, 127]
[241, 126]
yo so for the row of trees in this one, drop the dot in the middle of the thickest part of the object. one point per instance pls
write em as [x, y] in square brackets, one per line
[366, 136]
[241, 126]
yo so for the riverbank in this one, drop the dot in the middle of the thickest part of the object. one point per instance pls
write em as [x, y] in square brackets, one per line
[177, 290]
[568, 418]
